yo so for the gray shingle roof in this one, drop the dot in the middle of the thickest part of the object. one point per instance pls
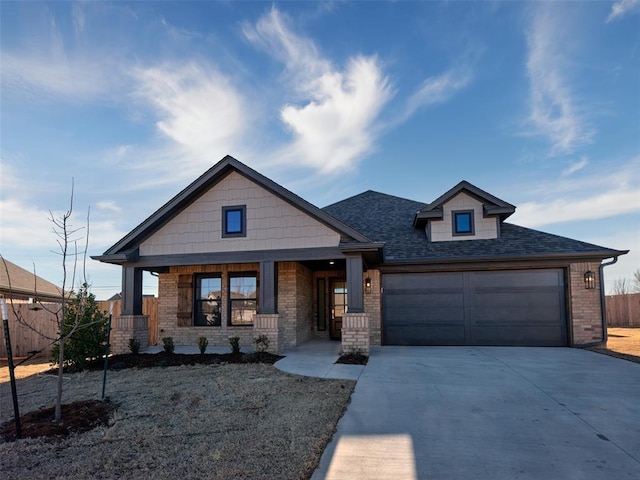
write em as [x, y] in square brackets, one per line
[389, 219]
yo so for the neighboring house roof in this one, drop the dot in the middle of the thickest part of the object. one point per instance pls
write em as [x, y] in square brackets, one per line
[124, 250]
[389, 219]
[18, 283]
[492, 205]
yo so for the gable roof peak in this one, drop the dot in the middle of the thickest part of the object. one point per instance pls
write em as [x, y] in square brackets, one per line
[492, 205]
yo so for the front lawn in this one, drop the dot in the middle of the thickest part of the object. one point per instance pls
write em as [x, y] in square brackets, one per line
[218, 421]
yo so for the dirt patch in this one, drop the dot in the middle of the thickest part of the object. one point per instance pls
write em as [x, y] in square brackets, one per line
[78, 417]
[215, 421]
[623, 342]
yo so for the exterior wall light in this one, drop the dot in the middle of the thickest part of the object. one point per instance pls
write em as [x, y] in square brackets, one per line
[367, 285]
[589, 279]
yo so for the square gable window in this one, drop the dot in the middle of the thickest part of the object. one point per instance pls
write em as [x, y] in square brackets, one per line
[463, 223]
[234, 221]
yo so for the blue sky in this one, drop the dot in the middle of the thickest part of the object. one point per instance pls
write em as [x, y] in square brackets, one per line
[537, 103]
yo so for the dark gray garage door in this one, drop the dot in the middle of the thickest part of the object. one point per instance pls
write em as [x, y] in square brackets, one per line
[516, 307]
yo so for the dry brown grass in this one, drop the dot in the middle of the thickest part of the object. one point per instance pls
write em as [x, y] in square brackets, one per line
[202, 421]
[623, 342]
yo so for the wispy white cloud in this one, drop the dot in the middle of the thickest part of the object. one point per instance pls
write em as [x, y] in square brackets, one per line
[623, 8]
[575, 167]
[333, 113]
[553, 105]
[199, 108]
[588, 198]
[41, 78]
[437, 89]
[108, 205]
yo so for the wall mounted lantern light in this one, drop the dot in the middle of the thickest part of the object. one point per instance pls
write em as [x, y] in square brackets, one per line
[589, 279]
[367, 285]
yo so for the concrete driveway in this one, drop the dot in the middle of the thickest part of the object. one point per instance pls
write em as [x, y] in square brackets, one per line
[489, 413]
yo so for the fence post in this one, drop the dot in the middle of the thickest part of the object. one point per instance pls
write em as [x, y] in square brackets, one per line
[12, 375]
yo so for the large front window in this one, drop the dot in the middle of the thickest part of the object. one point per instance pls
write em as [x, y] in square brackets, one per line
[208, 301]
[243, 298]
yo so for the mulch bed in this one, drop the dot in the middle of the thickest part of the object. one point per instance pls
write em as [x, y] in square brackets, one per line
[77, 417]
[353, 359]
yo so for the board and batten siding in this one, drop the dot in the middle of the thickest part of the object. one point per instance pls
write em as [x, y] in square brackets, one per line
[272, 223]
[485, 228]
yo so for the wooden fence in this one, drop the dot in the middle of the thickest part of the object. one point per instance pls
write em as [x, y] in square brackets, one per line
[149, 307]
[623, 310]
[24, 339]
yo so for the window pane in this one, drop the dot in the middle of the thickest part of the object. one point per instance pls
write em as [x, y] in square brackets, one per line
[210, 288]
[234, 221]
[208, 301]
[463, 222]
[242, 312]
[242, 287]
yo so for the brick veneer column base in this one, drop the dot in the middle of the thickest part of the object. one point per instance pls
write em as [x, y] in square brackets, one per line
[271, 325]
[125, 327]
[355, 333]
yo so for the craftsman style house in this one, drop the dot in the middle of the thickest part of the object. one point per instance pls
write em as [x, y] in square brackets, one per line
[239, 255]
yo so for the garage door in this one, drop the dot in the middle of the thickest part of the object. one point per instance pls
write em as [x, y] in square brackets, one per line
[515, 307]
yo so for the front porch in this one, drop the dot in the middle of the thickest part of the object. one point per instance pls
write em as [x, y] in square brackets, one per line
[289, 302]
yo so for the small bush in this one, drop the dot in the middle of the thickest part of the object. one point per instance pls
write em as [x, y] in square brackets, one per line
[84, 330]
[202, 344]
[168, 345]
[262, 343]
[235, 344]
[134, 346]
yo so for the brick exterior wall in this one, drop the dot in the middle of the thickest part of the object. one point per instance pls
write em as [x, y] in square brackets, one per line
[355, 333]
[125, 327]
[585, 321]
[168, 309]
[295, 302]
[270, 324]
[295, 308]
[373, 306]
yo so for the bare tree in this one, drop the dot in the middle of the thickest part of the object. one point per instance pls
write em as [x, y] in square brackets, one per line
[621, 287]
[67, 241]
[636, 280]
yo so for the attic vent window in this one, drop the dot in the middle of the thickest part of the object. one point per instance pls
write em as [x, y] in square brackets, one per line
[463, 223]
[234, 221]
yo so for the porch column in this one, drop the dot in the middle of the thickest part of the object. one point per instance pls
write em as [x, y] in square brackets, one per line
[131, 323]
[267, 321]
[355, 295]
[355, 323]
[268, 282]
[131, 291]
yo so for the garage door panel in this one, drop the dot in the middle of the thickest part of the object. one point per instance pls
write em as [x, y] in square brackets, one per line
[532, 336]
[505, 315]
[424, 301]
[517, 299]
[426, 334]
[525, 307]
[515, 278]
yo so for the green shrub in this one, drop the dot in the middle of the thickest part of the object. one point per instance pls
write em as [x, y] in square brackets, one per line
[235, 344]
[84, 331]
[202, 344]
[167, 343]
[134, 345]
[262, 343]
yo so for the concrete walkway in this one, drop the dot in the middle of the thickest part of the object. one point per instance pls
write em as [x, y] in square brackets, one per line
[316, 358]
[489, 413]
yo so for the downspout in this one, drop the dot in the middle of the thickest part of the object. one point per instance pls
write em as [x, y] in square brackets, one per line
[603, 306]
[603, 302]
